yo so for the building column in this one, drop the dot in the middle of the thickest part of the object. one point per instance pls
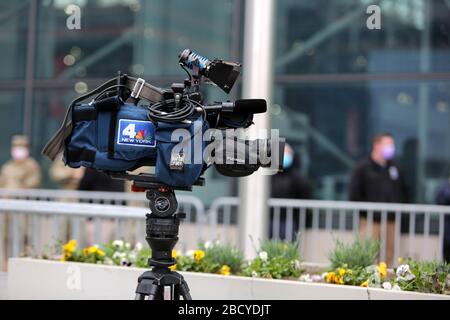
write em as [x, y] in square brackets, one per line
[257, 82]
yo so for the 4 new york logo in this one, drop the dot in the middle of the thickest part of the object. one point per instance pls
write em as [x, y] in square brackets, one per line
[136, 133]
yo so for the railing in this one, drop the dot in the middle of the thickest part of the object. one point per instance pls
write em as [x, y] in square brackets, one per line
[419, 229]
[33, 218]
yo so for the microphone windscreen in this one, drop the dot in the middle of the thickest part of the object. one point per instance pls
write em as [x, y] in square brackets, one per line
[247, 106]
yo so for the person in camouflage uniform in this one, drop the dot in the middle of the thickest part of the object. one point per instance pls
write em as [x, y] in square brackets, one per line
[22, 171]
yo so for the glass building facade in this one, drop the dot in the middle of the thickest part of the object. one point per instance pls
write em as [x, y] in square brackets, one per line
[336, 82]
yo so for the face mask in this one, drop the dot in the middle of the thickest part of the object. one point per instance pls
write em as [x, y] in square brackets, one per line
[19, 153]
[288, 159]
[388, 152]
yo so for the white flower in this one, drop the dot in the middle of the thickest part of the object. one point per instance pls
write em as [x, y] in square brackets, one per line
[402, 270]
[409, 276]
[190, 253]
[116, 255]
[323, 275]
[127, 245]
[396, 288]
[208, 244]
[118, 243]
[108, 261]
[305, 278]
[297, 264]
[138, 246]
[254, 274]
[263, 256]
[217, 243]
[403, 273]
[387, 286]
[123, 262]
[316, 278]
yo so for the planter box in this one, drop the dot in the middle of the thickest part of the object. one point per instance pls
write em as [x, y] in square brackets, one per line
[42, 279]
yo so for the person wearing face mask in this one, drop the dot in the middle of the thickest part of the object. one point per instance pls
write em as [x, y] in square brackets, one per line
[289, 184]
[379, 179]
[22, 171]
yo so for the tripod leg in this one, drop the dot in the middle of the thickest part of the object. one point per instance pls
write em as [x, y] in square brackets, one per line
[184, 290]
[147, 287]
[139, 296]
[175, 292]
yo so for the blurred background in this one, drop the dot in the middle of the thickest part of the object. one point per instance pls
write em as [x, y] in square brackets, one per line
[336, 83]
[345, 84]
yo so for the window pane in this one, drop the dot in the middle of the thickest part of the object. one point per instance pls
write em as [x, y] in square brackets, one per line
[13, 38]
[325, 36]
[331, 125]
[136, 37]
[11, 112]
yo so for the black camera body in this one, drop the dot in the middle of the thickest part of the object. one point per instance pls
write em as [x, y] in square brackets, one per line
[129, 124]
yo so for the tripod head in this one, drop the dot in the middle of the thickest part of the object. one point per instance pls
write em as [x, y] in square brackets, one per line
[163, 221]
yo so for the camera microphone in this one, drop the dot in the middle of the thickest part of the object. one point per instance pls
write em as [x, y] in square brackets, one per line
[239, 107]
[246, 106]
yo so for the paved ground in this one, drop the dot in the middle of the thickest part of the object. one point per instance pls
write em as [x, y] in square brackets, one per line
[3, 285]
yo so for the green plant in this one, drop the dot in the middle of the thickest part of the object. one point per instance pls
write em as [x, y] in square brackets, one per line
[361, 253]
[276, 259]
[423, 276]
[212, 258]
[221, 255]
[280, 248]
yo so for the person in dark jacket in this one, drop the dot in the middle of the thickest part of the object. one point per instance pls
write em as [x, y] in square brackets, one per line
[94, 180]
[289, 184]
[379, 179]
[443, 198]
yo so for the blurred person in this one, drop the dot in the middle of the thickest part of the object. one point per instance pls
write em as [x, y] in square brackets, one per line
[379, 179]
[443, 199]
[65, 177]
[22, 171]
[289, 184]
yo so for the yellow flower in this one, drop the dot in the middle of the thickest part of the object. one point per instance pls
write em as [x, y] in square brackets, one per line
[225, 270]
[199, 255]
[70, 246]
[65, 256]
[382, 269]
[174, 253]
[173, 268]
[365, 283]
[339, 279]
[341, 271]
[330, 277]
[400, 259]
[93, 250]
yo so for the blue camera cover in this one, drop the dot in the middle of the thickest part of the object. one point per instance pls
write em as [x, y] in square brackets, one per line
[136, 133]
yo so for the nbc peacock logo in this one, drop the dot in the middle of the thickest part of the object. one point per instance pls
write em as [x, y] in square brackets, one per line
[141, 136]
